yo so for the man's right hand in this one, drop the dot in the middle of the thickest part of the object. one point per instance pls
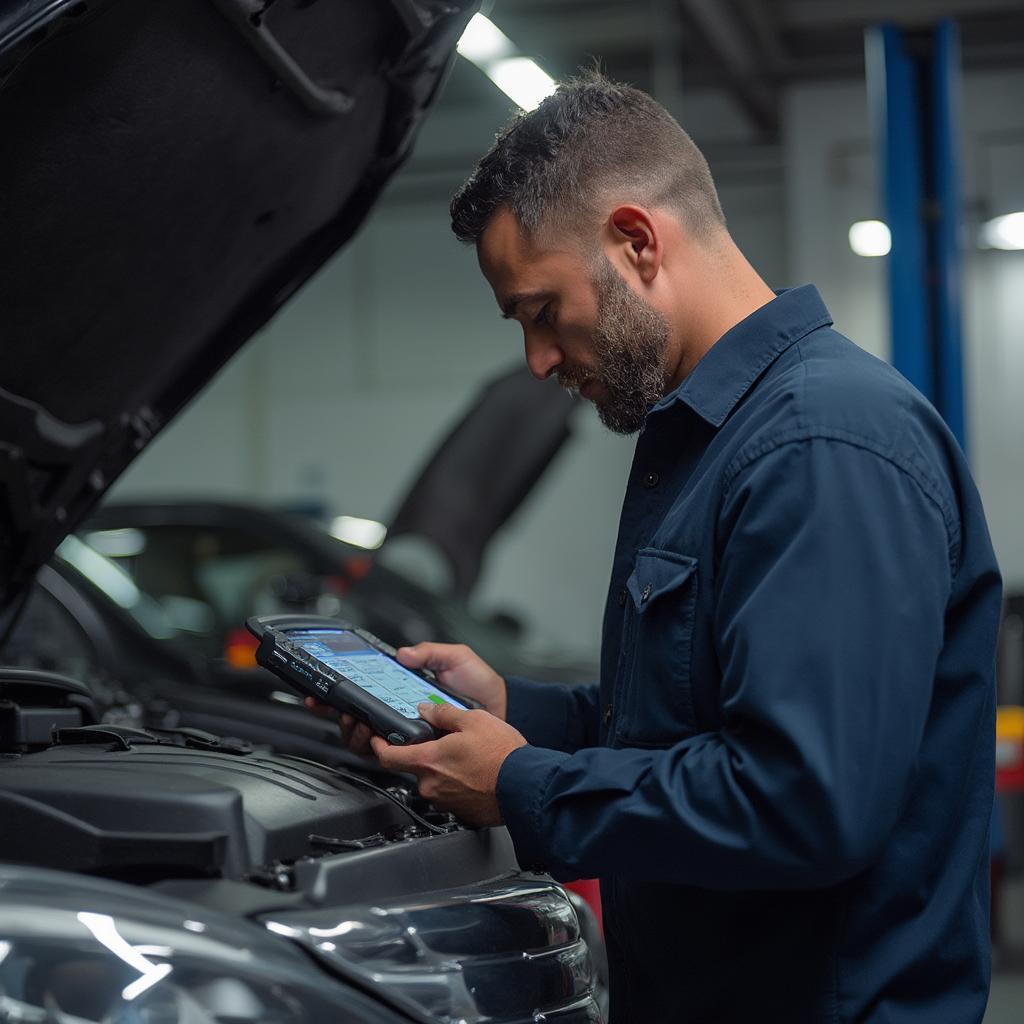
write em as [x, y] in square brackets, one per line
[457, 668]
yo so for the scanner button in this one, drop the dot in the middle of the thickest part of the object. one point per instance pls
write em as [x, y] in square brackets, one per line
[396, 739]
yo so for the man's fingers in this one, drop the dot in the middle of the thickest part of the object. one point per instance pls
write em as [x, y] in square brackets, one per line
[436, 657]
[412, 657]
[323, 710]
[442, 716]
[359, 741]
[348, 725]
[398, 758]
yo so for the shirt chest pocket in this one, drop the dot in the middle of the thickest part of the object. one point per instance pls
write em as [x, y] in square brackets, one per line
[654, 698]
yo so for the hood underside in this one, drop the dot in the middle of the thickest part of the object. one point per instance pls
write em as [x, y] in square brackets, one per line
[173, 171]
[484, 470]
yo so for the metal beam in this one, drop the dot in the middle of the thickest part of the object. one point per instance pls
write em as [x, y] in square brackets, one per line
[764, 25]
[742, 70]
[819, 14]
[557, 28]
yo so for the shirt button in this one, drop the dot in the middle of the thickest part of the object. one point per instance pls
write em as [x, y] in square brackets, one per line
[646, 593]
[651, 480]
[607, 714]
[622, 597]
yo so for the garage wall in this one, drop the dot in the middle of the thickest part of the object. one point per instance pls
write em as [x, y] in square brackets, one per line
[831, 183]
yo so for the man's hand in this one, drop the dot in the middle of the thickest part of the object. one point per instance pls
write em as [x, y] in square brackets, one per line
[461, 669]
[459, 772]
[457, 668]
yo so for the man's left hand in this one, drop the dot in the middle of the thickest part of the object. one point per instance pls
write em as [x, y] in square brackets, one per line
[458, 772]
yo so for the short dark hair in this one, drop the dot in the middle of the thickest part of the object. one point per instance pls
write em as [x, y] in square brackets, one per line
[591, 137]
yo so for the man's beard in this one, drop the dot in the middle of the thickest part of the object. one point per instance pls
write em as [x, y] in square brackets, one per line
[630, 346]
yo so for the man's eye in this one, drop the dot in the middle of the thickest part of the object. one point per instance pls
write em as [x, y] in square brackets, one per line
[544, 316]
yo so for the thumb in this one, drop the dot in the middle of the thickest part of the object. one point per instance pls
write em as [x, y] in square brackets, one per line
[442, 716]
[413, 657]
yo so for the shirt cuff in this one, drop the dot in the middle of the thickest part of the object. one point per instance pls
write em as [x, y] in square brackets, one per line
[522, 784]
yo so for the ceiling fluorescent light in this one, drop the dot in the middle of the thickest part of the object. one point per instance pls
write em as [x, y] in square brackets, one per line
[522, 80]
[483, 41]
[1006, 232]
[870, 238]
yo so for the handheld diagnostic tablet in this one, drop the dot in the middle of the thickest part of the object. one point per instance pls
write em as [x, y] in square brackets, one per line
[353, 671]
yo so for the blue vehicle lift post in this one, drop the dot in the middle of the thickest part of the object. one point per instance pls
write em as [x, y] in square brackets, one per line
[914, 84]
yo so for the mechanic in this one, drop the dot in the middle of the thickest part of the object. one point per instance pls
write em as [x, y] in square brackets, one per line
[784, 778]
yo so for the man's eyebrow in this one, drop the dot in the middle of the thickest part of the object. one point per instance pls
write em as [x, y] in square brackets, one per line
[510, 307]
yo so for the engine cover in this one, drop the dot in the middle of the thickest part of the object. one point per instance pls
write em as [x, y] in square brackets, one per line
[146, 810]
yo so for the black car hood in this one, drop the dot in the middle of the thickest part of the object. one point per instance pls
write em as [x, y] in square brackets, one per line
[173, 171]
[484, 470]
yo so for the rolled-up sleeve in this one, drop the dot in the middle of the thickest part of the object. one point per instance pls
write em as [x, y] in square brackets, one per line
[834, 573]
[554, 715]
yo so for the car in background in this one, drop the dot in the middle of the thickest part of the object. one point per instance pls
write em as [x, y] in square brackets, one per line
[211, 565]
[186, 574]
[173, 171]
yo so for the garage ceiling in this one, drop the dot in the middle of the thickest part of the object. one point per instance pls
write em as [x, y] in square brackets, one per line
[750, 48]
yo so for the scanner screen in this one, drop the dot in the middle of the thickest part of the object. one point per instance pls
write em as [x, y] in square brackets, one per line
[380, 676]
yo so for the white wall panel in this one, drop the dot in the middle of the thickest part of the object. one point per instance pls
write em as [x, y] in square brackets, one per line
[830, 185]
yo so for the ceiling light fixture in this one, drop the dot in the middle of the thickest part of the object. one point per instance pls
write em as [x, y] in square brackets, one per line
[870, 238]
[483, 41]
[521, 78]
[1006, 232]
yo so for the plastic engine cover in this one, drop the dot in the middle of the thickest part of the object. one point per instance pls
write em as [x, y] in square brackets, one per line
[164, 811]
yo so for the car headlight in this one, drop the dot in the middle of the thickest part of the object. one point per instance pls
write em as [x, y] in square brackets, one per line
[508, 952]
[75, 950]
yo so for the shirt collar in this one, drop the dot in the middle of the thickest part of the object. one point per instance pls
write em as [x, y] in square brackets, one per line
[729, 368]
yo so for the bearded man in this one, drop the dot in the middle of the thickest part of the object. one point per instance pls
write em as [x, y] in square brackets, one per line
[784, 777]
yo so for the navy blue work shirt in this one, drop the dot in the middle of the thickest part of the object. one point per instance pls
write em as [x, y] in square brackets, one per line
[784, 779]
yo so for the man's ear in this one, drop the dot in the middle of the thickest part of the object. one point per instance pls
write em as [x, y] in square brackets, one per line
[635, 235]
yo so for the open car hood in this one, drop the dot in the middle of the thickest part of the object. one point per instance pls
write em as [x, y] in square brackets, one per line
[173, 171]
[485, 468]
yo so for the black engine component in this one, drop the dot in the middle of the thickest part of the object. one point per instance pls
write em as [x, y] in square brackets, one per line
[132, 804]
[34, 704]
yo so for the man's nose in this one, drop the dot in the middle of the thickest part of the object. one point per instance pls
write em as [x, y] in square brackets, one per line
[542, 357]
